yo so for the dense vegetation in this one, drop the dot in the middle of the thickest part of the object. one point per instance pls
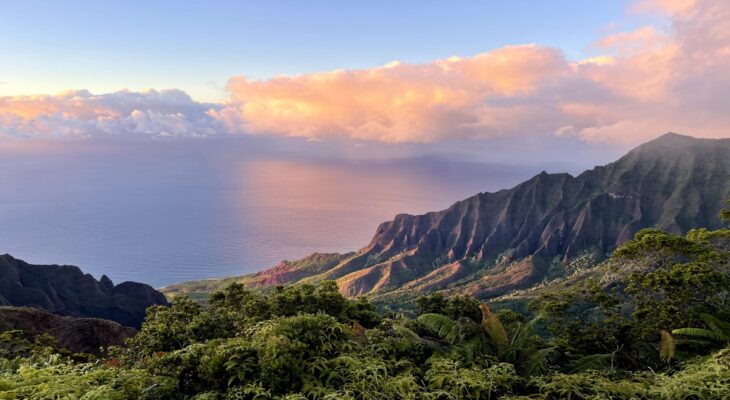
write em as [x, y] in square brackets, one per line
[657, 326]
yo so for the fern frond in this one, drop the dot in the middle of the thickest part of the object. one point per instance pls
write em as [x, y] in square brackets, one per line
[702, 334]
[693, 342]
[402, 330]
[444, 327]
[716, 325]
[667, 346]
[538, 361]
[591, 362]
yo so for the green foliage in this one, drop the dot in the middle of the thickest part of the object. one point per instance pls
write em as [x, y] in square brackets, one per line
[453, 307]
[714, 333]
[287, 345]
[184, 323]
[461, 382]
[591, 385]
[649, 332]
[725, 214]
[14, 344]
[668, 283]
[701, 379]
[54, 378]
[471, 342]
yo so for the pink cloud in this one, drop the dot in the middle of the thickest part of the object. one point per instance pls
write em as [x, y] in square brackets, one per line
[664, 6]
[646, 83]
[397, 102]
[643, 83]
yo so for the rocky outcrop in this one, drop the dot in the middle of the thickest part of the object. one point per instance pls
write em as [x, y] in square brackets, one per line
[78, 335]
[66, 290]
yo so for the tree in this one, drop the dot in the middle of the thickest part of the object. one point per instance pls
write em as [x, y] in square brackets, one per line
[176, 327]
[454, 307]
[286, 346]
[681, 278]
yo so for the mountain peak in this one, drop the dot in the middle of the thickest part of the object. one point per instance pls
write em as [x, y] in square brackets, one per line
[673, 146]
[674, 136]
[670, 139]
[676, 140]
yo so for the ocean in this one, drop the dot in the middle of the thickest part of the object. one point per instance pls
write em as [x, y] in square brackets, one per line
[166, 212]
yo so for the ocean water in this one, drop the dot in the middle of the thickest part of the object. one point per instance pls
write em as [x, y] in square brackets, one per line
[167, 212]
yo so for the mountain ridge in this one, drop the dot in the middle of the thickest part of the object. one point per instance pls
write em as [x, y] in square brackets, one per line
[495, 242]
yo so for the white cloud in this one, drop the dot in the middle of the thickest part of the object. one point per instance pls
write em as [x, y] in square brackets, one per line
[83, 114]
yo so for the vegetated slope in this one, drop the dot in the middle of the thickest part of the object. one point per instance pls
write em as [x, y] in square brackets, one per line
[280, 274]
[66, 290]
[78, 335]
[493, 243]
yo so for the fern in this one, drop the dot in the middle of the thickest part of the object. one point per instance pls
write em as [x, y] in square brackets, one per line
[701, 333]
[538, 361]
[443, 327]
[716, 325]
[591, 362]
[406, 332]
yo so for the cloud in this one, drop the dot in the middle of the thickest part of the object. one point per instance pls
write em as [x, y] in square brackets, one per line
[83, 114]
[642, 83]
[398, 102]
[664, 6]
[647, 82]
[675, 81]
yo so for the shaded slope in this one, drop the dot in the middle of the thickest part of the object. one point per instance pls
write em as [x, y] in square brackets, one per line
[78, 335]
[66, 290]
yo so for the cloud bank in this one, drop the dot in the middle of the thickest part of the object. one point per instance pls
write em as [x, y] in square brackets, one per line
[82, 114]
[646, 82]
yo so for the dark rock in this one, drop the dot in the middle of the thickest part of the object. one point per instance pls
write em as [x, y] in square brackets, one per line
[66, 290]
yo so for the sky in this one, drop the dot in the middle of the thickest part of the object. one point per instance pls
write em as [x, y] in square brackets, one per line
[407, 77]
[197, 45]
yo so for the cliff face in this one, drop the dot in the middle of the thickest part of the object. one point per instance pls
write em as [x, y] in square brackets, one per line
[78, 335]
[66, 290]
[492, 243]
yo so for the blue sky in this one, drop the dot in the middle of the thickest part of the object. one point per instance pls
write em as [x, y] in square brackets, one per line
[50, 46]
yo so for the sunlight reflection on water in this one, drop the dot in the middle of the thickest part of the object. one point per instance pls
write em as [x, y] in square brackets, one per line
[167, 213]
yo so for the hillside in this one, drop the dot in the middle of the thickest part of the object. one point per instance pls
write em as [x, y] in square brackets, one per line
[78, 335]
[66, 290]
[493, 243]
